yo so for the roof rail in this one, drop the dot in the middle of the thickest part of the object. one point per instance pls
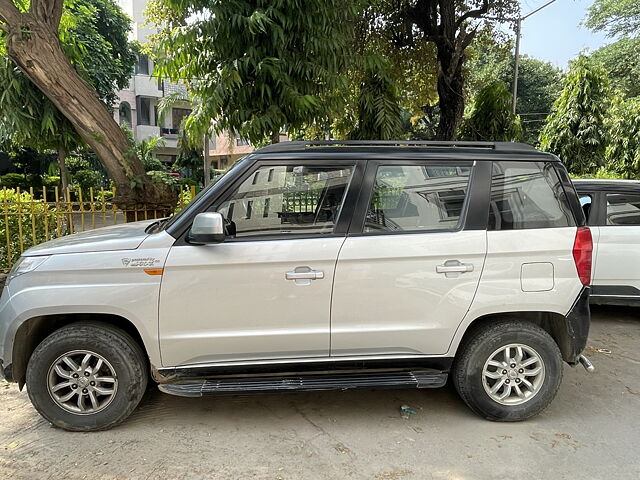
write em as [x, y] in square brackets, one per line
[304, 145]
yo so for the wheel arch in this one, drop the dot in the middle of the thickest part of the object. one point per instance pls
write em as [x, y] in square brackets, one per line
[33, 331]
[555, 324]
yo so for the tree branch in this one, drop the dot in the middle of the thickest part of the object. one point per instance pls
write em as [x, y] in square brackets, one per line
[425, 16]
[47, 11]
[9, 13]
[473, 13]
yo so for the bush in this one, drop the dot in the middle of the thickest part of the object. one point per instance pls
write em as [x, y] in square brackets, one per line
[184, 197]
[103, 195]
[51, 181]
[75, 163]
[22, 214]
[86, 179]
[188, 182]
[159, 176]
[16, 180]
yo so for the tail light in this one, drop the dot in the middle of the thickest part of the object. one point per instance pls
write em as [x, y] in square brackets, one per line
[582, 252]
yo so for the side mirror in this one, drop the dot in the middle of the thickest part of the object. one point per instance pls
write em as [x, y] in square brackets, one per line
[207, 228]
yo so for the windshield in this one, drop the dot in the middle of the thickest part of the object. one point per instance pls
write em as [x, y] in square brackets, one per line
[171, 220]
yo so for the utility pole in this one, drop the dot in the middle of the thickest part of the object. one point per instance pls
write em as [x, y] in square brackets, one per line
[517, 56]
[516, 65]
[207, 160]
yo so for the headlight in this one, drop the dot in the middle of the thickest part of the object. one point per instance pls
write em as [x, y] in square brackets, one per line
[25, 265]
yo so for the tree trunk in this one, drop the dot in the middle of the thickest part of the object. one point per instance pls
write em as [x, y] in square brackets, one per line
[275, 137]
[450, 92]
[64, 172]
[35, 48]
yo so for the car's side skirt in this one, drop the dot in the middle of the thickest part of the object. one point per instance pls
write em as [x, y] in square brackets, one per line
[305, 366]
[308, 382]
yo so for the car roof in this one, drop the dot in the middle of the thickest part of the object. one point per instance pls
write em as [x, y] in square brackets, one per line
[402, 148]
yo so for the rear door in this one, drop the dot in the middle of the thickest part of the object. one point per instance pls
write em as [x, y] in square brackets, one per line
[408, 271]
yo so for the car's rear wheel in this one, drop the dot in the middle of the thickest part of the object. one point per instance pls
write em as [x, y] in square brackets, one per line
[508, 371]
[87, 376]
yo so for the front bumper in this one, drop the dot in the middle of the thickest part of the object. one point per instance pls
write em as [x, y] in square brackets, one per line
[6, 316]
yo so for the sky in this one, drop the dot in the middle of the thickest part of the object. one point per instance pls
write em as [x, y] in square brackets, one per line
[555, 34]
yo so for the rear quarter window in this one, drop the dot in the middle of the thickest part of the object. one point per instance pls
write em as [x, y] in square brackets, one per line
[526, 195]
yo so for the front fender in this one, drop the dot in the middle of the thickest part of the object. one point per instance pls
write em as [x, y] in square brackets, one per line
[92, 284]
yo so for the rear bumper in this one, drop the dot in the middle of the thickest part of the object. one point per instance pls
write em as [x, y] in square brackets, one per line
[578, 323]
[5, 372]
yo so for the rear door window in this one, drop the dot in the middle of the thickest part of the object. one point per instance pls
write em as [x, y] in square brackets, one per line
[527, 195]
[417, 198]
[623, 209]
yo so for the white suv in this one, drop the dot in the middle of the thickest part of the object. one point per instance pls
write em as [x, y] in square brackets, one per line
[316, 266]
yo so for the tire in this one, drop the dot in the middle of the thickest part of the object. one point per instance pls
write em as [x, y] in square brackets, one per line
[116, 377]
[489, 343]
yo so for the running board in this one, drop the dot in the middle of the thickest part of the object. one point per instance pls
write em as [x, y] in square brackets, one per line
[305, 383]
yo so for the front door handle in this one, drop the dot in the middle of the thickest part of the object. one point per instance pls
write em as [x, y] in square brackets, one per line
[453, 268]
[304, 275]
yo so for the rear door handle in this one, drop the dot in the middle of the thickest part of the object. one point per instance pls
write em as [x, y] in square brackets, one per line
[304, 275]
[453, 268]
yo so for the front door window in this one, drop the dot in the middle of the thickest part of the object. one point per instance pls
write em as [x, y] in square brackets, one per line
[287, 200]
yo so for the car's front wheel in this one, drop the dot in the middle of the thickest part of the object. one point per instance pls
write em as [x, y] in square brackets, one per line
[86, 377]
[508, 371]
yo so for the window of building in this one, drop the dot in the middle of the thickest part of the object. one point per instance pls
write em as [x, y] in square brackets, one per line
[143, 110]
[125, 114]
[527, 195]
[241, 142]
[142, 65]
[417, 198]
[623, 209]
[299, 200]
[177, 117]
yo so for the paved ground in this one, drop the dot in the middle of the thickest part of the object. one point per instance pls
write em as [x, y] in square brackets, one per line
[592, 431]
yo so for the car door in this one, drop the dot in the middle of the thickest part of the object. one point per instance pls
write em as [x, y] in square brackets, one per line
[408, 272]
[616, 274]
[265, 292]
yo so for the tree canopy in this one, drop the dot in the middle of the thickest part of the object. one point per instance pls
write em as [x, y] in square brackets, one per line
[539, 83]
[262, 65]
[451, 28]
[623, 152]
[35, 35]
[615, 17]
[621, 59]
[576, 129]
[379, 115]
[94, 36]
[492, 118]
